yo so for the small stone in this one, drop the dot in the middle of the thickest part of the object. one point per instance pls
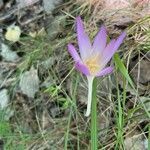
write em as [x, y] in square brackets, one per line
[26, 3]
[1, 4]
[29, 82]
[4, 98]
[8, 54]
[47, 64]
[49, 5]
[135, 142]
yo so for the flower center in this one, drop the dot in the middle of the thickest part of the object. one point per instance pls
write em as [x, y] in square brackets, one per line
[93, 64]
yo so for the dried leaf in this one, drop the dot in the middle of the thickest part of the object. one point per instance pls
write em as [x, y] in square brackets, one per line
[41, 32]
[117, 12]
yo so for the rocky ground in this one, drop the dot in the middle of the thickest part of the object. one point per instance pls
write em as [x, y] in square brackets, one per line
[43, 98]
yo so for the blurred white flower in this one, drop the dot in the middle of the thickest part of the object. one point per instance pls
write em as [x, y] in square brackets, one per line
[13, 33]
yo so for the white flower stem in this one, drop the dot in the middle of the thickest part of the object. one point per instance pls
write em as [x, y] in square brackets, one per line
[90, 89]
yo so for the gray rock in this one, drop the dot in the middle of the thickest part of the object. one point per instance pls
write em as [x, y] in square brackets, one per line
[47, 64]
[8, 54]
[4, 98]
[29, 83]
[49, 5]
[135, 142]
[1, 3]
[26, 3]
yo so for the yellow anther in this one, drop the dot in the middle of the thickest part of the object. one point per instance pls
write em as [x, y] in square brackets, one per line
[93, 64]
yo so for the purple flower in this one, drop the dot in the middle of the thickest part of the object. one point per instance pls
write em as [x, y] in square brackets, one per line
[93, 57]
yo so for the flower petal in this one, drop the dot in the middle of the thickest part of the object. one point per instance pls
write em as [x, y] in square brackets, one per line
[105, 71]
[82, 68]
[73, 53]
[107, 53]
[100, 40]
[83, 40]
[119, 41]
[111, 48]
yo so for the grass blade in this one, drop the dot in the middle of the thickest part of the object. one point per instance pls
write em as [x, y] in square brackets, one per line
[120, 65]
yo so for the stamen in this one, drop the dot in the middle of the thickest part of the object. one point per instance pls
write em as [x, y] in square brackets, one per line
[93, 64]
